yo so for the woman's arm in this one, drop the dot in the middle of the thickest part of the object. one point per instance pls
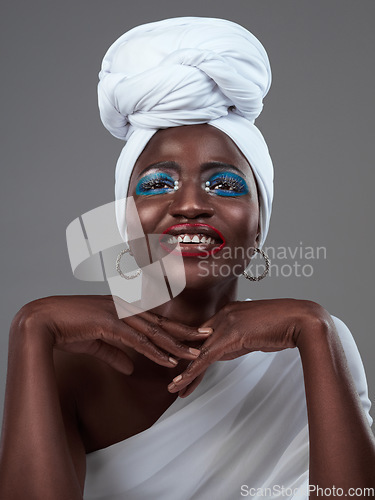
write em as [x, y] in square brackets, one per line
[36, 459]
[342, 446]
[42, 455]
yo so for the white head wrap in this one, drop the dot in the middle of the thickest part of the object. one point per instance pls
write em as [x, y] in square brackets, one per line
[186, 71]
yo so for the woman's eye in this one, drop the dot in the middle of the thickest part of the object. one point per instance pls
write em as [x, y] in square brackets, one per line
[156, 183]
[227, 184]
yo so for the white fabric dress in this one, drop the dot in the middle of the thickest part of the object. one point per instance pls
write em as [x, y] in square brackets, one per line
[243, 430]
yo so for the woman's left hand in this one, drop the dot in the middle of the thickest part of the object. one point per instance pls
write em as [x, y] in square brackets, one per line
[243, 327]
[346, 459]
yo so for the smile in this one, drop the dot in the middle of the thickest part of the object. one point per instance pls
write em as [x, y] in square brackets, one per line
[197, 238]
[194, 240]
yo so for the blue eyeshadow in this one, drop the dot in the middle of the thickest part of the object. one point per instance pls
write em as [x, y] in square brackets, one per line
[155, 183]
[227, 184]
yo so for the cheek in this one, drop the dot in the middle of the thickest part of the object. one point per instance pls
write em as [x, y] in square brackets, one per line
[240, 227]
[244, 223]
[150, 212]
[245, 230]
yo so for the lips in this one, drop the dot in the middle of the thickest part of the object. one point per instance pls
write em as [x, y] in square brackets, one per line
[194, 239]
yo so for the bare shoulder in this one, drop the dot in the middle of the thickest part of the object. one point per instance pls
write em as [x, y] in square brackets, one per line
[82, 380]
[95, 401]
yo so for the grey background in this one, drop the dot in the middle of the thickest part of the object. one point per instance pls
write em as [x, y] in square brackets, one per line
[57, 160]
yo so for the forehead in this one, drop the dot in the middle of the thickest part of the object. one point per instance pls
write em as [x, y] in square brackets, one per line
[190, 146]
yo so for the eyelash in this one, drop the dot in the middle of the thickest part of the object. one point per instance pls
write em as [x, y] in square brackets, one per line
[157, 183]
[228, 184]
[221, 184]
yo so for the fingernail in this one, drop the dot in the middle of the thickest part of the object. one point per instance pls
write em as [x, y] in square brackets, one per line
[207, 329]
[171, 386]
[173, 361]
[196, 352]
[177, 379]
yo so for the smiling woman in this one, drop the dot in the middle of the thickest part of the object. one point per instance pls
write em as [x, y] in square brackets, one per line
[270, 390]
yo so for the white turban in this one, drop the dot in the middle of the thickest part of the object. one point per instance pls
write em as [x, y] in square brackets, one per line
[186, 71]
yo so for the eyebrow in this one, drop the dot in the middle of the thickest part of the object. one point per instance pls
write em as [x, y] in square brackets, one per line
[172, 165]
[169, 165]
[222, 165]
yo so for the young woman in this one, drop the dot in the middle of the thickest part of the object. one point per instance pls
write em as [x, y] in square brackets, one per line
[273, 393]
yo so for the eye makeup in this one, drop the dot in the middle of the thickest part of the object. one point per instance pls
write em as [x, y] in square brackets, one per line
[155, 183]
[226, 184]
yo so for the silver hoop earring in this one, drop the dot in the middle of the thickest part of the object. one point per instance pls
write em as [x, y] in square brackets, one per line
[118, 269]
[267, 263]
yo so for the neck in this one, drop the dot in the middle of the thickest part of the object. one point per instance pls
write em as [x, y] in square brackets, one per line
[193, 306]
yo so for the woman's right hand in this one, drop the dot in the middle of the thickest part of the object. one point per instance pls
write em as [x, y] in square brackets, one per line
[89, 324]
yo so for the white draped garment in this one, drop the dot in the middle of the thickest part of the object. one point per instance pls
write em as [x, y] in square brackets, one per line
[243, 430]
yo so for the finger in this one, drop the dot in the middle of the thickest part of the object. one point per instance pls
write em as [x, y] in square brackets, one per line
[197, 367]
[142, 344]
[191, 387]
[159, 337]
[176, 329]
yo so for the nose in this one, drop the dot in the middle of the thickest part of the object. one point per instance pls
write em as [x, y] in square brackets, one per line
[191, 201]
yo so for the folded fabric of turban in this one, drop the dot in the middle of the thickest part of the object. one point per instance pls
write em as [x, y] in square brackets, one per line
[186, 71]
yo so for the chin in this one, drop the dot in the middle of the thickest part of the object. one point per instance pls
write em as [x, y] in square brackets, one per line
[201, 275]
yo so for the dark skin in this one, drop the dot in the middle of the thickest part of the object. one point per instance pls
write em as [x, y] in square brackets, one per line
[80, 379]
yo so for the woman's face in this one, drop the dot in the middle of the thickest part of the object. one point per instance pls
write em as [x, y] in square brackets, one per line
[215, 209]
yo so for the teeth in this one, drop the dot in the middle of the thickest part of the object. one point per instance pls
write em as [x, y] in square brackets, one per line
[197, 238]
[172, 239]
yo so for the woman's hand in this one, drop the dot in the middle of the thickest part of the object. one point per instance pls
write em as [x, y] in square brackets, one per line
[52, 456]
[243, 327]
[90, 325]
[338, 456]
